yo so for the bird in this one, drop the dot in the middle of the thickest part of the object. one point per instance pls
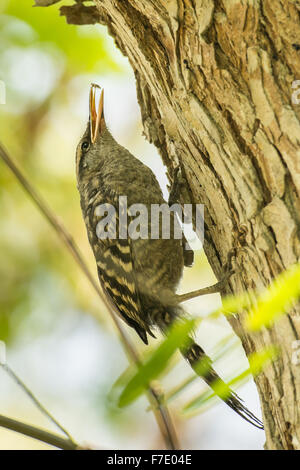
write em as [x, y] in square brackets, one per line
[139, 275]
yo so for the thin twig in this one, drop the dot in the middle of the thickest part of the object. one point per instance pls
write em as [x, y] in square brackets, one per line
[37, 433]
[164, 420]
[161, 412]
[33, 398]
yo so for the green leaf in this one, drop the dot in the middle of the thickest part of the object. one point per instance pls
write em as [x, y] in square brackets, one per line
[258, 361]
[172, 394]
[224, 346]
[277, 299]
[157, 362]
[121, 382]
[234, 304]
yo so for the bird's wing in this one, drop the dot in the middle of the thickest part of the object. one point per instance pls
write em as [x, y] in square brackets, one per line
[116, 274]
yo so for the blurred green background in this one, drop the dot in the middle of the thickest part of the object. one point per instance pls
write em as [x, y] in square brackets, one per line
[59, 337]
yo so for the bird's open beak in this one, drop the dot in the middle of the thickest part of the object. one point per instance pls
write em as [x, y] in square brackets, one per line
[95, 117]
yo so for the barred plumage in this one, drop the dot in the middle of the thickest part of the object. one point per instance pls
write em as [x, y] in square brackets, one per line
[140, 276]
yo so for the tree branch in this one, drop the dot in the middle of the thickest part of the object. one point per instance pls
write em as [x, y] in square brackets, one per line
[33, 398]
[37, 433]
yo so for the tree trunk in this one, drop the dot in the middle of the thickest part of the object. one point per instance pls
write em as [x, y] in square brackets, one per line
[214, 82]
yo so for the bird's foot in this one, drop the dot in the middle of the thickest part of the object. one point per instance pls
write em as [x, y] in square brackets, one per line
[218, 287]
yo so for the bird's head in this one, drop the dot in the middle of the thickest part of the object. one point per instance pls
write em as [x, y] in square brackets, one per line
[96, 135]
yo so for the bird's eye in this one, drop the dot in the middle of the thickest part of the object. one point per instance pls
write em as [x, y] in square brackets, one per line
[85, 146]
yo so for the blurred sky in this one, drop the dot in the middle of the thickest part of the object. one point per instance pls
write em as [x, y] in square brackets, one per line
[59, 337]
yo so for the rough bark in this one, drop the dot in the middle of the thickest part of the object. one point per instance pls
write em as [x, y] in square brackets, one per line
[214, 83]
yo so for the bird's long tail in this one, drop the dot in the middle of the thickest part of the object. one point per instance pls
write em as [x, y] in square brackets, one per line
[202, 365]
